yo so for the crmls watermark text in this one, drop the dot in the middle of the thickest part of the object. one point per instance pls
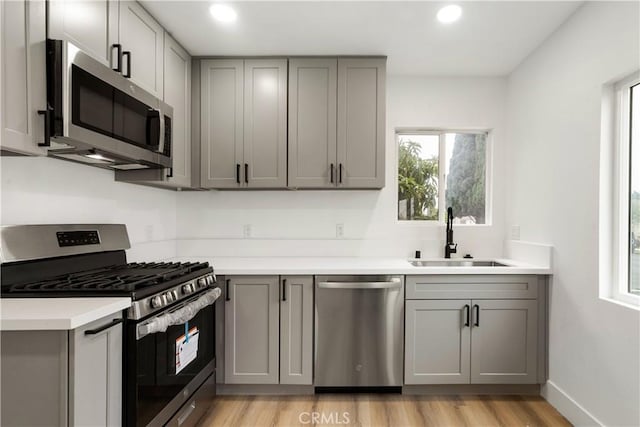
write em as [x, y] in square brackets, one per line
[320, 418]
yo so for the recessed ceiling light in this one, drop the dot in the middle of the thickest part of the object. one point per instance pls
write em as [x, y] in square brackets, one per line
[449, 13]
[223, 13]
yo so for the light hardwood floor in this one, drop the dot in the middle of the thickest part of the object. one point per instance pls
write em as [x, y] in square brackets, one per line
[382, 410]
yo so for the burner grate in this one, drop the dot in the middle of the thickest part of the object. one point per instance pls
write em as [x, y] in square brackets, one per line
[123, 278]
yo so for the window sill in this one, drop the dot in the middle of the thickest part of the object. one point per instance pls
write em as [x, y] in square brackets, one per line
[630, 301]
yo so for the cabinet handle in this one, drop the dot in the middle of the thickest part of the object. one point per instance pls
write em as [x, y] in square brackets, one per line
[238, 173]
[331, 173]
[95, 331]
[118, 48]
[340, 172]
[467, 311]
[476, 307]
[284, 289]
[169, 172]
[227, 296]
[246, 173]
[47, 126]
[128, 55]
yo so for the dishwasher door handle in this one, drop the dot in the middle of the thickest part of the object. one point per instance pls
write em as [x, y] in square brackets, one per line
[392, 284]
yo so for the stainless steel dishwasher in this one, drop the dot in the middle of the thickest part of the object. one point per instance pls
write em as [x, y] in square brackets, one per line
[359, 323]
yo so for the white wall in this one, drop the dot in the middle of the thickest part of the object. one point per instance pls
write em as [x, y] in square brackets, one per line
[553, 121]
[304, 222]
[49, 191]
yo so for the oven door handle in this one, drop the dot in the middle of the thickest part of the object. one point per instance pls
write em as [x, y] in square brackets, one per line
[178, 316]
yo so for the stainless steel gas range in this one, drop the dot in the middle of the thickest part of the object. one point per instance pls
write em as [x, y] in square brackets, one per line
[172, 309]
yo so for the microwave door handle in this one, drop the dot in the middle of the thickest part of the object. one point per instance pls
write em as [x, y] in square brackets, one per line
[161, 132]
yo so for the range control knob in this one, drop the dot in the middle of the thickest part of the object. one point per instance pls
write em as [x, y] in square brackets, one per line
[175, 294]
[202, 282]
[187, 289]
[156, 302]
[210, 280]
[169, 297]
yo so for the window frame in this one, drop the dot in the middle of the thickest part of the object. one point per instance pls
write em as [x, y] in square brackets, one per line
[441, 133]
[621, 283]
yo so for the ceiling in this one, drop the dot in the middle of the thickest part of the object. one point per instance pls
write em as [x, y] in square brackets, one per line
[490, 39]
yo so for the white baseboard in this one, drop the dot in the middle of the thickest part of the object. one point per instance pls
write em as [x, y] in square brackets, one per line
[576, 414]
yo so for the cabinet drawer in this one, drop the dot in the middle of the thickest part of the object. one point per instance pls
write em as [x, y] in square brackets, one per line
[446, 286]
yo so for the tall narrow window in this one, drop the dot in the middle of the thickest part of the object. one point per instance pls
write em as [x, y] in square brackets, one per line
[634, 189]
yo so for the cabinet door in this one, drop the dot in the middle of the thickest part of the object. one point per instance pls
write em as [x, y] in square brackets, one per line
[141, 35]
[312, 122]
[265, 123]
[437, 342]
[504, 342]
[92, 26]
[252, 330]
[22, 75]
[296, 330]
[177, 93]
[221, 127]
[361, 122]
[95, 374]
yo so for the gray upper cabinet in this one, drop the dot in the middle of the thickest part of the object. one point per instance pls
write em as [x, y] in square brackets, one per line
[251, 330]
[22, 89]
[221, 124]
[336, 122]
[177, 93]
[361, 122]
[265, 123]
[437, 345]
[296, 330]
[313, 89]
[243, 123]
[92, 26]
[504, 342]
[143, 37]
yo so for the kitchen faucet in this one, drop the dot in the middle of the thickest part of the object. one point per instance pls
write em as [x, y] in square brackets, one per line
[450, 247]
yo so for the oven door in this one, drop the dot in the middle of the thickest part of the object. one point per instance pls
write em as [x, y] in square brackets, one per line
[173, 355]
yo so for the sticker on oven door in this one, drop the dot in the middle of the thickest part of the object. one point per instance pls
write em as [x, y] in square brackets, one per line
[186, 348]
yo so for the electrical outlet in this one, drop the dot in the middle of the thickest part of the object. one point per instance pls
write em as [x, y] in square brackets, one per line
[515, 232]
[246, 231]
[339, 231]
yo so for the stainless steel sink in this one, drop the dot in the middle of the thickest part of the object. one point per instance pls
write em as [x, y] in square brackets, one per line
[455, 263]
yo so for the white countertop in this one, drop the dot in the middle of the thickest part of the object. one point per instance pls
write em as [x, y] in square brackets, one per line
[350, 265]
[24, 314]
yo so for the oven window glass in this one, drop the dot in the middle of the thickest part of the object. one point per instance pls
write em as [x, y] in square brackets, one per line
[156, 376]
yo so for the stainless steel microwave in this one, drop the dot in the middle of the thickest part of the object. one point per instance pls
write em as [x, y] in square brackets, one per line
[96, 115]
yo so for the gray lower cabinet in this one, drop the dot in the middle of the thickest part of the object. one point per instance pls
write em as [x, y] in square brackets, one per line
[504, 338]
[471, 342]
[437, 342]
[251, 330]
[336, 122]
[63, 378]
[22, 74]
[268, 330]
[243, 131]
[296, 330]
[484, 329]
